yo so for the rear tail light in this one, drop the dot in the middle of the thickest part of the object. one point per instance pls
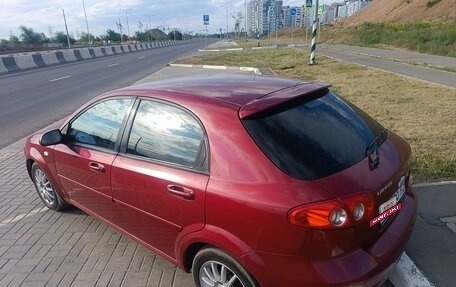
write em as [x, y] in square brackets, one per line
[358, 211]
[335, 213]
[338, 217]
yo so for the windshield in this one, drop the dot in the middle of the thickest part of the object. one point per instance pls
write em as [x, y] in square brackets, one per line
[314, 138]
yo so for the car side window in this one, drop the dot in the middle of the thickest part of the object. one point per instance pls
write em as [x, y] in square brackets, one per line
[100, 124]
[167, 133]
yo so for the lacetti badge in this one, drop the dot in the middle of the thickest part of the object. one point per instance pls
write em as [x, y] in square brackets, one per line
[386, 214]
[385, 188]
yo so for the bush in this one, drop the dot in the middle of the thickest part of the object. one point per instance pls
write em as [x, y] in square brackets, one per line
[431, 3]
[423, 36]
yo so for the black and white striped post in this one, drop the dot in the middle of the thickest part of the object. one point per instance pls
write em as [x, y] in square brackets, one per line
[313, 45]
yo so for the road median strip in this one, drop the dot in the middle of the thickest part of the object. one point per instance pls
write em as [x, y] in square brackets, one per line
[25, 61]
[217, 67]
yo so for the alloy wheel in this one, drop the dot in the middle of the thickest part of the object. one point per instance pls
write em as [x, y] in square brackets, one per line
[216, 274]
[44, 187]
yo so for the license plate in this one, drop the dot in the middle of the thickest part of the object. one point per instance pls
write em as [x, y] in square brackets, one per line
[397, 197]
[387, 205]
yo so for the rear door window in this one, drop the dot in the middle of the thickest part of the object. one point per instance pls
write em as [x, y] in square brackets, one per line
[314, 138]
[167, 133]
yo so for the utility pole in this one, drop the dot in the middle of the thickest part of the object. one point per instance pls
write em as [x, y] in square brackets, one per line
[140, 26]
[128, 26]
[258, 21]
[245, 18]
[313, 46]
[307, 24]
[277, 22]
[87, 23]
[226, 9]
[66, 28]
[119, 25]
[149, 29]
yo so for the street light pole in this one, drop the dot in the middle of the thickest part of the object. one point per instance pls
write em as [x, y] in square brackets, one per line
[258, 22]
[245, 18]
[277, 22]
[66, 28]
[128, 26]
[226, 9]
[87, 23]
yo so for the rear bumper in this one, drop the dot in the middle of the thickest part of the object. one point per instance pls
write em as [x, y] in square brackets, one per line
[361, 267]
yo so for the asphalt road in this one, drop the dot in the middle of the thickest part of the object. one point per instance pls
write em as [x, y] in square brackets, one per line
[31, 100]
[433, 244]
[409, 64]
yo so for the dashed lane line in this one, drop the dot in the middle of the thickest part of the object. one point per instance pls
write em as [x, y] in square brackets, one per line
[58, 79]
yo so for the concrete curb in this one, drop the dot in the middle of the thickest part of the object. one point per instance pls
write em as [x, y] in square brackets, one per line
[237, 49]
[25, 61]
[435, 183]
[406, 274]
[246, 69]
[2, 67]
[10, 64]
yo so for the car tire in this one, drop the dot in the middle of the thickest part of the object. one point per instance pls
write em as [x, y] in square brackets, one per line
[209, 265]
[46, 190]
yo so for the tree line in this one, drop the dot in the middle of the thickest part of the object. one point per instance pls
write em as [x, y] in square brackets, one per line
[30, 36]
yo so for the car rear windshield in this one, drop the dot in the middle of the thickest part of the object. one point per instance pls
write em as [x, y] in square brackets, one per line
[314, 137]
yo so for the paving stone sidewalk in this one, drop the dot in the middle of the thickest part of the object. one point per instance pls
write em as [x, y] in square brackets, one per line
[40, 247]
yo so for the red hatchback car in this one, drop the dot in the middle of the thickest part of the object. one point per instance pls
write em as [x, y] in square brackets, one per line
[242, 180]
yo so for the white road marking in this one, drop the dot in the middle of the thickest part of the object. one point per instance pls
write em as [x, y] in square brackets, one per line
[58, 79]
[434, 183]
[406, 274]
[112, 65]
[142, 57]
[22, 215]
[450, 222]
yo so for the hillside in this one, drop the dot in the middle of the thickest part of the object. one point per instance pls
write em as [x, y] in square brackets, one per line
[404, 11]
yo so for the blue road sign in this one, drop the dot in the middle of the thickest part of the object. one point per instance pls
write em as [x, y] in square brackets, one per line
[206, 19]
[293, 11]
[308, 3]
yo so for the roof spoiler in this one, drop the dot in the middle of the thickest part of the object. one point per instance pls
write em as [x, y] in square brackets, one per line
[279, 97]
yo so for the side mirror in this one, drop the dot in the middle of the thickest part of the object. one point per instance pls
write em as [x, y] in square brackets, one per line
[51, 138]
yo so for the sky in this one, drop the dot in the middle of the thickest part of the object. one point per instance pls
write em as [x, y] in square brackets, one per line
[187, 15]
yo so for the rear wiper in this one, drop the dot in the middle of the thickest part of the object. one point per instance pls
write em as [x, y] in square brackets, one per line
[376, 142]
[372, 149]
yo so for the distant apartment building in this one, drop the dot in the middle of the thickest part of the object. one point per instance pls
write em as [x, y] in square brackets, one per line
[252, 18]
[266, 16]
[329, 13]
[275, 15]
[350, 7]
[341, 11]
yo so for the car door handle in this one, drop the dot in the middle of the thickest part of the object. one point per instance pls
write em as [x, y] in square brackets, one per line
[97, 167]
[181, 192]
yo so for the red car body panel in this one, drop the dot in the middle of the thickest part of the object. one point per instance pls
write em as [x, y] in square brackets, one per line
[279, 97]
[85, 175]
[241, 203]
[148, 207]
